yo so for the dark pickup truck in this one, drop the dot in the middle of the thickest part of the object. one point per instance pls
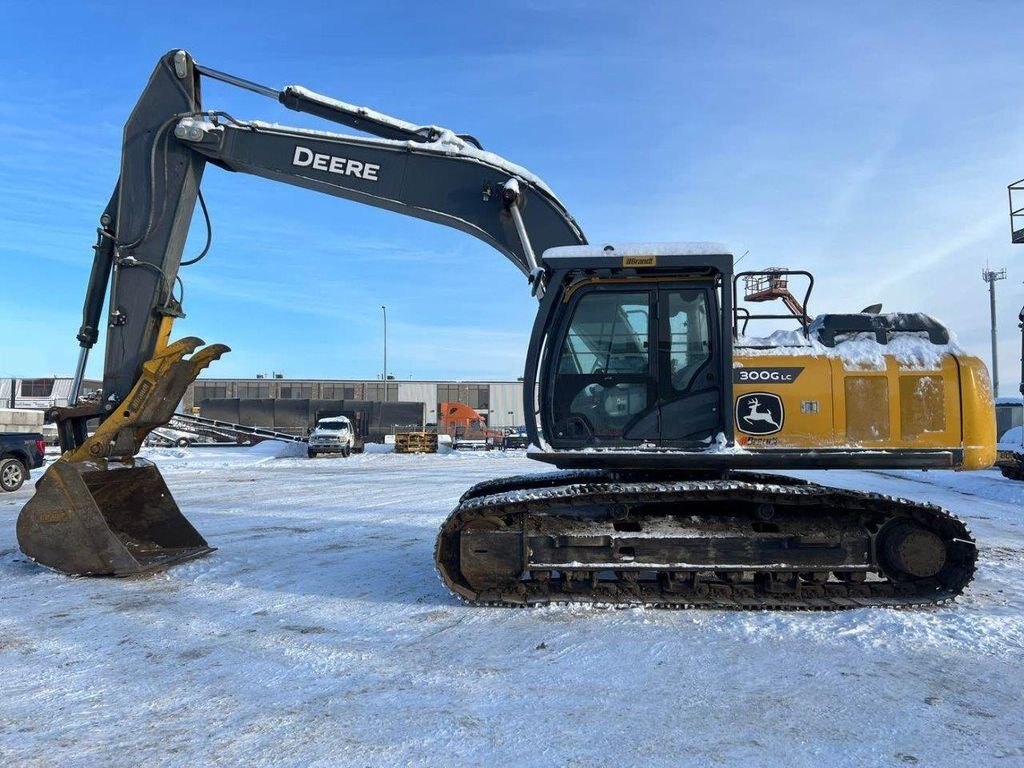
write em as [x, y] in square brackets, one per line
[19, 453]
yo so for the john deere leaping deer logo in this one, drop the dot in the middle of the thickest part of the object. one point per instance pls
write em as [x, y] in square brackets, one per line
[759, 413]
[755, 415]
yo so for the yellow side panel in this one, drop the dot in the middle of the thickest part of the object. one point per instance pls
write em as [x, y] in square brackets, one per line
[979, 414]
[804, 383]
[899, 407]
[922, 399]
[880, 405]
[867, 408]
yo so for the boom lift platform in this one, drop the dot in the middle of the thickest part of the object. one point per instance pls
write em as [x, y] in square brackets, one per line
[772, 283]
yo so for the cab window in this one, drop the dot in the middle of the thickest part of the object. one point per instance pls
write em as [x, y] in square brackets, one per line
[603, 381]
[690, 336]
[608, 334]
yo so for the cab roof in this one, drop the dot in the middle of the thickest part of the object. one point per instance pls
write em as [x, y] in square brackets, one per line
[686, 255]
[640, 249]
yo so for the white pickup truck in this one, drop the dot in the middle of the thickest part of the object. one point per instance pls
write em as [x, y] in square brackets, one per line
[332, 434]
[1010, 450]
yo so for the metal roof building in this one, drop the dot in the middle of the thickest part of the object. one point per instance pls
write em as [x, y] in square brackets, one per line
[40, 393]
[500, 402]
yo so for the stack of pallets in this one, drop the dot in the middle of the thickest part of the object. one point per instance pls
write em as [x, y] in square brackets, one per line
[416, 442]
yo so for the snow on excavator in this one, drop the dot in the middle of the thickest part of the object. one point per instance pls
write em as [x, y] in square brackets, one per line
[661, 418]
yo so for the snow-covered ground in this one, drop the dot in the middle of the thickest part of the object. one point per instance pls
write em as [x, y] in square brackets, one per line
[318, 634]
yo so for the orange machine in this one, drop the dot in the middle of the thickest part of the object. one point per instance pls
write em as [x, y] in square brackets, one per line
[464, 423]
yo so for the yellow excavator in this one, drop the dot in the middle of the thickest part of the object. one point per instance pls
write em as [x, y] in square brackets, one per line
[663, 418]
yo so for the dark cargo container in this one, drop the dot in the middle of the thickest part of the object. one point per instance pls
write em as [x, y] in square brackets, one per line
[370, 419]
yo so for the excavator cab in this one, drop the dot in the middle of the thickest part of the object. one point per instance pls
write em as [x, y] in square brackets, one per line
[635, 351]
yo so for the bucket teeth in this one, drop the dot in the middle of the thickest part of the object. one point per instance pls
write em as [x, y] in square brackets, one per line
[202, 359]
[178, 349]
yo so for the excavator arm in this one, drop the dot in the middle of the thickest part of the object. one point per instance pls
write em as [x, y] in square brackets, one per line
[99, 510]
[426, 172]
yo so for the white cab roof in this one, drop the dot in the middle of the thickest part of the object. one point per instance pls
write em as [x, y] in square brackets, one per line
[639, 249]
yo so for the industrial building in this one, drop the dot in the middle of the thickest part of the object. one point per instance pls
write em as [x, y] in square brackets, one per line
[293, 405]
[40, 394]
[500, 402]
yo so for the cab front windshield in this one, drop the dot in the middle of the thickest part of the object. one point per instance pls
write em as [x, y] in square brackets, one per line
[625, 354]
[333, 426]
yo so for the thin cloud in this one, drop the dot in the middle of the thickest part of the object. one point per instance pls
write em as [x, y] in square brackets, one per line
[929, 258]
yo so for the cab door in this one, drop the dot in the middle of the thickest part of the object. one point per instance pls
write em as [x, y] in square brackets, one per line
[604, 384]
[688, 363]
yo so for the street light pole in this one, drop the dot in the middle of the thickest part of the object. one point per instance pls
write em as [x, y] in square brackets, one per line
[991, 277]
[382, 306]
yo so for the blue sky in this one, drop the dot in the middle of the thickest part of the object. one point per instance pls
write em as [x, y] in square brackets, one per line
[870, 142]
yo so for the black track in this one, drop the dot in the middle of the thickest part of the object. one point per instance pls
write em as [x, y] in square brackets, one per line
[519, 503]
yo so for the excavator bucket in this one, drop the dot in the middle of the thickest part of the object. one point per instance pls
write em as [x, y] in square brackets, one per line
[94, 517]
[85, 520]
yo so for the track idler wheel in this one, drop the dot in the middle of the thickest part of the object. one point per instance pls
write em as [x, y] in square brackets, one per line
[909, 550]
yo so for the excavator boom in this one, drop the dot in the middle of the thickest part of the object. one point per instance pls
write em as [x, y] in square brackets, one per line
[84, 517]
[428, 173]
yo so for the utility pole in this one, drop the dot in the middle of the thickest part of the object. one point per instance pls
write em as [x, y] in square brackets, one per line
[990, 277]
[385, 377]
